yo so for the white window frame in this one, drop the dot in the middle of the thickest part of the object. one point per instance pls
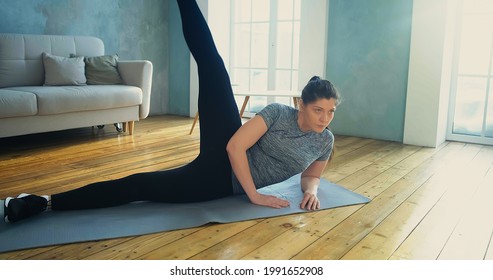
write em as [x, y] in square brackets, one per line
[272, 52]
[482, 139]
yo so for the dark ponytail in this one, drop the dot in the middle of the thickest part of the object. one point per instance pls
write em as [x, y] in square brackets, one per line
[318, 88]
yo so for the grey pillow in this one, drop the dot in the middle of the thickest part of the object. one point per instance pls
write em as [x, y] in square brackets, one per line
[102, 70]
[63, 71]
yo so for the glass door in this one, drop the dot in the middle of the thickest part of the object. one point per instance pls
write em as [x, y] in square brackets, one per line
[471, 103]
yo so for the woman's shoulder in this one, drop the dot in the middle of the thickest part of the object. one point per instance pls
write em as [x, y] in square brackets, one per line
[277, 113]
[277, 109]
[283, 109]
[328, 135]
[278, 106]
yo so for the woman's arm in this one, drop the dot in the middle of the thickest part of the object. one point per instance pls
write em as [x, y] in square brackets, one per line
[310, 179]
[246, 136]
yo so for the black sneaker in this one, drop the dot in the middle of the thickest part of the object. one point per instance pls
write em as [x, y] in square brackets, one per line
[23, 206]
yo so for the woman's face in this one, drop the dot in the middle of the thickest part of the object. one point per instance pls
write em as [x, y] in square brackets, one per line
[316, 116]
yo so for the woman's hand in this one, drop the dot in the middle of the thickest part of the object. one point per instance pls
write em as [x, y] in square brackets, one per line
[269, 201]
[310, 201]
[310, 179]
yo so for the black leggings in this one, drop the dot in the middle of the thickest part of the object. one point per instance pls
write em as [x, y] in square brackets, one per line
[209, 175]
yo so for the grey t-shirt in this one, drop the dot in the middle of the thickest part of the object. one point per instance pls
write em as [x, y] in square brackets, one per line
[284, 150]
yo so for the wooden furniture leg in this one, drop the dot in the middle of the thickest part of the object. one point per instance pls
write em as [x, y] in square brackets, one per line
[296, 102]
[129, 126]
[194, 122]
[243, 107]
[245, 102]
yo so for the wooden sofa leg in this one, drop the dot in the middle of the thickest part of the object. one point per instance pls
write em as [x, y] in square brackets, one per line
[131, 125]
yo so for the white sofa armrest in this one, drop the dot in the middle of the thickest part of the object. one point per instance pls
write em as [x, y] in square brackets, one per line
[138, 73]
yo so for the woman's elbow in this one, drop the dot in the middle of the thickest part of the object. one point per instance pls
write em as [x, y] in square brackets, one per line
[235, 147]
[231, 147]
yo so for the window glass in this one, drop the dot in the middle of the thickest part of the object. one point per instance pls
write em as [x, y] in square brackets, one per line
[283, 79]
[475, 44]
[261, 10]
[470, 101]
[258, 78]
[296, 44]
[284, 43]
[242, 45]
[285, 10]
[243, 10]
[477, 6]
[260, 45]
[241, 79]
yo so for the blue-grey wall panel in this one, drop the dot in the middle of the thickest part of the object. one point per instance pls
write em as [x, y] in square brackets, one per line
[368, 59]
[179, 63]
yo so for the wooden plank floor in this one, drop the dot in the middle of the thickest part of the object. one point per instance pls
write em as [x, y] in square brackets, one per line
[426, 203]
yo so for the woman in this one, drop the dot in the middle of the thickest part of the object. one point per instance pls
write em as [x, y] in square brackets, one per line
[274, 145]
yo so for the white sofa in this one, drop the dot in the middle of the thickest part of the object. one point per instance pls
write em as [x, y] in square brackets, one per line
[28, 106]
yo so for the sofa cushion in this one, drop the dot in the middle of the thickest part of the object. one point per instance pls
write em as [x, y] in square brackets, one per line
[102, 70]
[63, 99]
[15, 103]
[63, 71]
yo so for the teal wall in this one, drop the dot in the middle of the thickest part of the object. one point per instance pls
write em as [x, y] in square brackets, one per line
[179, 63]
[135, 29]
[367, 60]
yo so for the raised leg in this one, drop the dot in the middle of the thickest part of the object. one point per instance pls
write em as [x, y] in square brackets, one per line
[219, 118]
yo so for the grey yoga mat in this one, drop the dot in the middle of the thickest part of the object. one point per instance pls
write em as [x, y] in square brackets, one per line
[62, 227]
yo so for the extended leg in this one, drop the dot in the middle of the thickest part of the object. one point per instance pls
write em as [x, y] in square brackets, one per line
[189, 183]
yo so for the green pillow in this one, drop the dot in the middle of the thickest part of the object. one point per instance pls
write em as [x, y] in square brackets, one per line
[63, 71]
[102, 70]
